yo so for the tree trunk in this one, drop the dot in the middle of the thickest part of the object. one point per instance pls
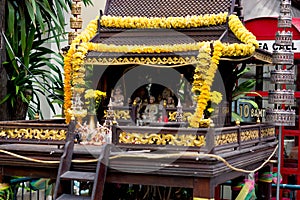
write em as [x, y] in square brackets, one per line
[18, 112]
[3, 76]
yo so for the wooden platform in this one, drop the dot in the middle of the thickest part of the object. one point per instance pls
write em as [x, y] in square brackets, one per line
[160, 156]
[171, 168]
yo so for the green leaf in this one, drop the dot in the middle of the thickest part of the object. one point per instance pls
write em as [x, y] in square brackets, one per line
[247, 69]
[33, 5]
[236, 117]
[244, 87]
[60, 13]
[11, 19]
[30, 40]
[249, 101]
[23, 30]
[17, 89]
[5, 98]
[52, 15]
[24, 99]
[30, 11]
[40, 18]
[243, 94]
[87, 2]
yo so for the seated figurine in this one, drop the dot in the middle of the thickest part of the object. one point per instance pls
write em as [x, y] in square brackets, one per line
[117, 97]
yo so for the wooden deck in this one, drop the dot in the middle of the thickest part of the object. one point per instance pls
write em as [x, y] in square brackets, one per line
[137, 158]
[188, 170]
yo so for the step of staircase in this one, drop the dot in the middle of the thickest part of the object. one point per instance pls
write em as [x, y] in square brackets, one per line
[72, 197]
[78, 175]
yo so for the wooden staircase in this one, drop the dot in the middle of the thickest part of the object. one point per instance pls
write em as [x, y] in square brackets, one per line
[65, 176]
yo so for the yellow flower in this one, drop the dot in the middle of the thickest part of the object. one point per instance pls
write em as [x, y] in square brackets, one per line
[73, 61]
[169, 22]
[210, 110]
[215, 97]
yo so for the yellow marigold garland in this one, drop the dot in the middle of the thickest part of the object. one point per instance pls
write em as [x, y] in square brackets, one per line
[169, 22]
[99, 47]
[206, 81]
[204, 74]
[73, 70]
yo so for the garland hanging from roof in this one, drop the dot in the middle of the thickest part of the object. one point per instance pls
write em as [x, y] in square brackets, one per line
[163, 22]
[74, 71]
[206, 65]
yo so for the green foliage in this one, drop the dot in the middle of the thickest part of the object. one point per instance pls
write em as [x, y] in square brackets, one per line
[33, 68]
[241, 91]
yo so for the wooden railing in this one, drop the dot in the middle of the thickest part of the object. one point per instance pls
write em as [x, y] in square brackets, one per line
[208, 140]
[34, 132]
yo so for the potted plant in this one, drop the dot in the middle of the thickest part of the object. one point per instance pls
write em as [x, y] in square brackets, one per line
[33, 69]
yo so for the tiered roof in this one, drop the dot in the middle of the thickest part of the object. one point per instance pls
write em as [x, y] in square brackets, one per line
[162, 36]
[166, 8]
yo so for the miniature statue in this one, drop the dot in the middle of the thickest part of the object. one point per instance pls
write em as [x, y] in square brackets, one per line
[117, 97]
[170, 102]
[151, 110]
[78, 104]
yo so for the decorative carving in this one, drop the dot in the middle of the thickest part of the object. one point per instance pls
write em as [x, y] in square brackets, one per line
[284, 38]
[143, 61]
[76, 23]
[122, 114]
[283, 76]
[33, 133]
[249, 135]
[76, 8]
[162, 139]
[179, 112]
[285, 20]
[263, 57]
[285, 6]
[280, 117]
[227, 138]
[268, 132]
[185, 116]
[119, 114]
[72, 36]
[281, 97]
[284, 57]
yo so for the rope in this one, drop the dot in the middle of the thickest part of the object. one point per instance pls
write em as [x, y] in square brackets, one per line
[44, 161]
[193, 154]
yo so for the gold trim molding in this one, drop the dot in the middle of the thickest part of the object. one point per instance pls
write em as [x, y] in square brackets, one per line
[227, 138]
[185, 117]
[33, 133]
[162, 139]
[177, 61]
[263, 57]
[268, 132]
[249, 135]
[119, 114]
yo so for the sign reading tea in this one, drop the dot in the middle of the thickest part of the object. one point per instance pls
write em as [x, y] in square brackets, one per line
[269, 45]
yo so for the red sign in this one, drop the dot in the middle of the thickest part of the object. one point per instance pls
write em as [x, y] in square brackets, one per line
[265, 29]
